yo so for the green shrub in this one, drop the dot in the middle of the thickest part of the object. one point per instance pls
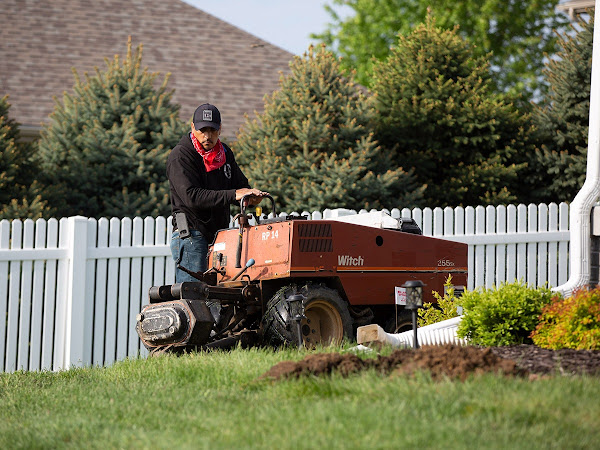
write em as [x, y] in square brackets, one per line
[443, 310]
[504, 315]
[573, 322]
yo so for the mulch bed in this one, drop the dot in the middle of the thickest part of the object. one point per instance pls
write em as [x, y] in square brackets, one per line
[545, 361]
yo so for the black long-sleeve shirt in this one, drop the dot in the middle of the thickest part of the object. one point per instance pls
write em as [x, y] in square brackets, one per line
[203, 196]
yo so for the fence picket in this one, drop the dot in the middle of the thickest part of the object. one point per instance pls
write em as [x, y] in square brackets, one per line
[542, 247]
[90, 267]
[521, 247]
[490, 249]
[37, 302]
[500, 248]
[112, 292]
[26, 298]
[479, 265]
[13, 299]
[532, 262]
[427, 222]
[438, 222]
[135, 293]
[124, 324]
[470, 231]
[160, 229]
[49, 312]
[553, 246]
[457, 215]
[147, 264]
[100, 305]
[62, 280]
[511, 249]
[563, 247]
[459, 221]
[4, 245]
[448, 221]
[169, 263]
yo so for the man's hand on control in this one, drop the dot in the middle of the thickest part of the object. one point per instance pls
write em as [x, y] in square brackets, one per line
[257, 195]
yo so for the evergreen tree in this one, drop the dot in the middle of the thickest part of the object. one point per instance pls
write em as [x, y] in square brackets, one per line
[20, 195]
[438, 114]
[107, 144]
[312, 147]
[563, 119]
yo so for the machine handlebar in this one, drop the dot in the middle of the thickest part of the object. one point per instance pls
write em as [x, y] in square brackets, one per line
[245, 197]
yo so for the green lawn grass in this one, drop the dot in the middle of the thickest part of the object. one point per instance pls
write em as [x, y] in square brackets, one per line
[214, 400]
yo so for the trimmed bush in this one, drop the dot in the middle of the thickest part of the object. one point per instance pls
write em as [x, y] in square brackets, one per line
[573, 322]
[504, 315]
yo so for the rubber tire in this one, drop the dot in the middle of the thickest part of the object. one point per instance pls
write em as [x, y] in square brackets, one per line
[404, 323]
[322, 307]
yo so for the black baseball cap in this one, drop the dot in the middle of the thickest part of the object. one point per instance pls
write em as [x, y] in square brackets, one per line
[207, 115]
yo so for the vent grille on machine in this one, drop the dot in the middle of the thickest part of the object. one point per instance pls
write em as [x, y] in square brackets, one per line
[313, 230]
[315, 237]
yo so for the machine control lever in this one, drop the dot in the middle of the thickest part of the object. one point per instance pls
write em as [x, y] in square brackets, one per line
[249, 264]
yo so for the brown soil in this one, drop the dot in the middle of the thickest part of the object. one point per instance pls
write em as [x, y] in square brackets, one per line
[547, 362]
[451, 361]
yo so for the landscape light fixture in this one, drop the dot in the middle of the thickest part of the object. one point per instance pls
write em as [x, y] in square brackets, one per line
[414, 301]
[296, 311]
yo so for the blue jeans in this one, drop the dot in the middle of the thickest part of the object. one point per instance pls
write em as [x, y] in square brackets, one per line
[189, 253]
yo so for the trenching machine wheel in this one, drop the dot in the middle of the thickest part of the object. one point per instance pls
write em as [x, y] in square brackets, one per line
[402, 322]
[326, 317]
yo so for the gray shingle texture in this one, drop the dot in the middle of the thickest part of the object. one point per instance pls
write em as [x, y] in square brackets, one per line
[209, 59]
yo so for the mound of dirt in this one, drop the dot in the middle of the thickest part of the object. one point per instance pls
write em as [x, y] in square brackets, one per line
[451, 361]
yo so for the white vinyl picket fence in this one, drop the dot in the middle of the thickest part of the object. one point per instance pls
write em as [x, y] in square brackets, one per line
[70, 289]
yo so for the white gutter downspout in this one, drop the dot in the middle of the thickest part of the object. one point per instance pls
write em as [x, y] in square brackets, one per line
[581, 208]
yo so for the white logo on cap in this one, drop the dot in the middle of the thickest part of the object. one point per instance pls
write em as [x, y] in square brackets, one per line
[207, 115]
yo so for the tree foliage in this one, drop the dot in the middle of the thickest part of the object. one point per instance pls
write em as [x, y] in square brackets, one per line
[519, 33]
[312, 147]
[438, 113]
[20, 195]
[563, 119]
[107, 144]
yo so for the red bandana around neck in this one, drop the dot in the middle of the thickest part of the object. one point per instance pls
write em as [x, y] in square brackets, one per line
[214, 158]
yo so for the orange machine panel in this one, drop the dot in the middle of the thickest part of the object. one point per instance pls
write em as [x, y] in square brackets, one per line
[369, 262]
[267, 244]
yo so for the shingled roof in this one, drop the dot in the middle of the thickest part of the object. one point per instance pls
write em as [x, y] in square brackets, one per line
[209, 60]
